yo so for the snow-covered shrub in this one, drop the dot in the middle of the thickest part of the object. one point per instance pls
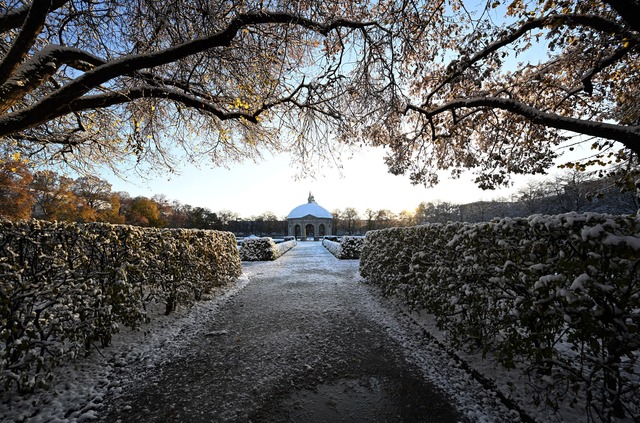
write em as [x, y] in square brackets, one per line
[188, 263]
[263, 249]
[349, 247]
[333, 247]
[592, 285]
[283, 247]
[560, 294]
[386, 257]
[66, 286]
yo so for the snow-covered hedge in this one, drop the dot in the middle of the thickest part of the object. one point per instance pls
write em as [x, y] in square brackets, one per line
[560, 294]
[65, 286]
[262, 249]
[333, 247]
[349, 247]
[283, 247]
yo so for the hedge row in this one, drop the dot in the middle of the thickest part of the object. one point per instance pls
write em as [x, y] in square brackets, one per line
[558, 294]
[349, 247]
[263, 249]
[66, 286]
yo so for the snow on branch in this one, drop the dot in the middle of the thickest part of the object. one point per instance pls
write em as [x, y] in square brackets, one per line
[41, 67]
[26, 38]
[15, 18]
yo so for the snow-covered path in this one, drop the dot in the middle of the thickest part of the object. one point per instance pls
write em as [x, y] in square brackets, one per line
[299, 339]
[303, 342]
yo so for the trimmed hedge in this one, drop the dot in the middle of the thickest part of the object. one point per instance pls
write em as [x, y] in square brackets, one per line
[349, 247]
[333, 247]
[263, 249]
[67, 286]
[559, 294]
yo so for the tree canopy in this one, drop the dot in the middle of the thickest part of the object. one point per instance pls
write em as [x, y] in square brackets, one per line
[105, 81]
[495, 86]
[500, 87]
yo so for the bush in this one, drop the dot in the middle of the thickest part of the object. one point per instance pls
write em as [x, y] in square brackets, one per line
[333, 247]
[283, 247]
[349, 247]
[66, 286]
[263, 249]
[520, 288]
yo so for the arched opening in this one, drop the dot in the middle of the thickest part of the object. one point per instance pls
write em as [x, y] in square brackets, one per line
[296, 231]
[321, 230]
[309, 231]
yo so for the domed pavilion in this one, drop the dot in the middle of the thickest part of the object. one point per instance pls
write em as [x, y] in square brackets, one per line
[310, 221]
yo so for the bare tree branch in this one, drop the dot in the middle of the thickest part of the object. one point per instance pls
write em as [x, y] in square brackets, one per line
[114, 98]
[627, 135]
[32, 26]
[57, 102]
[587, 78]
[570, 20]
[12, 19]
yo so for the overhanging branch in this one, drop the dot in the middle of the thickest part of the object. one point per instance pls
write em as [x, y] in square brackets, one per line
[629, 136]
[571, 20]
[166, 93]
[115, 98]
[56, 103]
[12, 19]
[40, 68]
[26, 38]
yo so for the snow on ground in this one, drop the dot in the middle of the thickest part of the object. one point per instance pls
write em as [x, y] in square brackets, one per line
[80, 389]
[511, 385]
[474, 401]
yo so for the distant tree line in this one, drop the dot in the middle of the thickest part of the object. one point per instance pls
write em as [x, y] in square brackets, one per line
[47, 195]
[574, 191]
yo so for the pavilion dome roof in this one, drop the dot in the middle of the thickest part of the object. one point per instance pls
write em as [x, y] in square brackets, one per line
[311, 208]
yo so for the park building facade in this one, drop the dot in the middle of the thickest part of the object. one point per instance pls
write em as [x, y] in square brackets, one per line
[310, 221]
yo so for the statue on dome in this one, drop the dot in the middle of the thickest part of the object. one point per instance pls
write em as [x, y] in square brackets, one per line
[311, 199]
